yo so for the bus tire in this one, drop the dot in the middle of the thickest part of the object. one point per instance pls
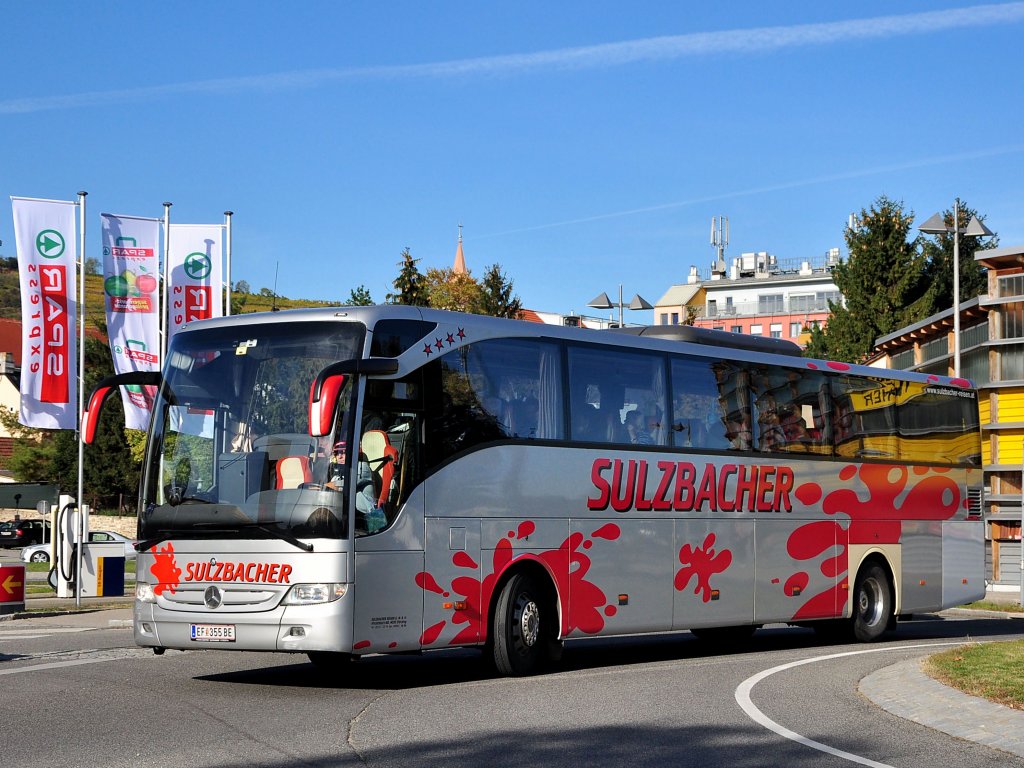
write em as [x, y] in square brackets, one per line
[872, 603]
[521, 627]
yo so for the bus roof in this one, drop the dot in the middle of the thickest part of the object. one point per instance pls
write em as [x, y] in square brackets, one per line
[703, 342]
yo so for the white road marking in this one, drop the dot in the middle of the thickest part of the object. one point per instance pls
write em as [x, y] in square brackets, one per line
[89, 657]
[32, 634]
[759, 717]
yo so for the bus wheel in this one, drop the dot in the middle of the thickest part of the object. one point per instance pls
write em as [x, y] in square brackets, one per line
[521, 627]
[872, 604]
[330, 661]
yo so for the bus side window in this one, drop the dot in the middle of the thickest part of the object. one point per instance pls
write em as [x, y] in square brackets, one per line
[698, 417]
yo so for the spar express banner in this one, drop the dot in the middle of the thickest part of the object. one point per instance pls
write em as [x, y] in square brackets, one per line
[45, 237]
[131, 271]
[195, 274]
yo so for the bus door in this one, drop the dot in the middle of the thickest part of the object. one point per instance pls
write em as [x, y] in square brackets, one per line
[451, 582]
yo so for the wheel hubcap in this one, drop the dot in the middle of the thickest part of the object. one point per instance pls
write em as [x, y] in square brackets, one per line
[529, 624]
[870, 602]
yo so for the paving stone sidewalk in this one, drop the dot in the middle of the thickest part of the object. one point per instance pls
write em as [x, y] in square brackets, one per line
[903, 689]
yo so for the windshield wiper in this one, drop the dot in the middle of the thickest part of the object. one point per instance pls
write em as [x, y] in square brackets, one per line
[282, 535]
[166, 534]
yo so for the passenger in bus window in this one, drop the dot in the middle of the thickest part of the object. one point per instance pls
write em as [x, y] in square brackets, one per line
[636, 429]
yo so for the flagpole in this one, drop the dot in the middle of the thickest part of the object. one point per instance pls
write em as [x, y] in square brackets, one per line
[165, 315]
[81, 397]
[227, 252]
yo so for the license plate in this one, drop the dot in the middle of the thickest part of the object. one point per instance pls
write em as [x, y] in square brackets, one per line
[215, 633]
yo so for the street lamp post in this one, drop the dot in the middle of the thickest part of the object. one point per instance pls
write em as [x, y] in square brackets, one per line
[603, 302]
[936, 225]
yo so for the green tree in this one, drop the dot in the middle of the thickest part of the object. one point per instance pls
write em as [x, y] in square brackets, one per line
[454, 291]
[410, 285]
[496, 296]
[881, 281]
[359, 297]
[938, 250]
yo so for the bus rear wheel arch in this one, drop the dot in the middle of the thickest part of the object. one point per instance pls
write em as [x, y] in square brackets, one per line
[524, 624]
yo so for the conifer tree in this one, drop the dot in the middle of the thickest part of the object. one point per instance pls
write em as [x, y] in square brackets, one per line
[410, 285]
[882, 282]
[496, 296]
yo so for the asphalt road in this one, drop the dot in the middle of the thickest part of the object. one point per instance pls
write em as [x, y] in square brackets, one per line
[79, 696]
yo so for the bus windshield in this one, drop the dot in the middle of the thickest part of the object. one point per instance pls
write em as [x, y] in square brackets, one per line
[230, 454]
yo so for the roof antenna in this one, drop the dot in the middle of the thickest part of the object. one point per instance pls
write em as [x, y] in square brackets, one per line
[273, 304]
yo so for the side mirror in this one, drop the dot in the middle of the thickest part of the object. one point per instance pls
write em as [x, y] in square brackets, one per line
[323, 393]
[103, 390]
[323, 399]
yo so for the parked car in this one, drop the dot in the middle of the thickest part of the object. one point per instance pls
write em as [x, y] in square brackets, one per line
[40, 553]
[21, 533]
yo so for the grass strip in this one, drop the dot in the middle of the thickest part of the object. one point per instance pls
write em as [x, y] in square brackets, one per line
[989, 670]
[988, 605]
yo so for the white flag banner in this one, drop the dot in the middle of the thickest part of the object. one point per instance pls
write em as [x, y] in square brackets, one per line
[46, 239]
[131, 270]
[195, 274]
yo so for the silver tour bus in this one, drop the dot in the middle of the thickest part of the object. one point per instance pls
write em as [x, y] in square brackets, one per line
[392, 479]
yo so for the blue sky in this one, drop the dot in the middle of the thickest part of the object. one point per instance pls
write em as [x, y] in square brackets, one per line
[582, 145]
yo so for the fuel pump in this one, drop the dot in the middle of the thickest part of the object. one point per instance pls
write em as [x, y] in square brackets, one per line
[68, 523]
[95, 571]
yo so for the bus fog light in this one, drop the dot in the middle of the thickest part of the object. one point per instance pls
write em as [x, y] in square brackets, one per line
[297, 632]
[144, 592]
[314, 594]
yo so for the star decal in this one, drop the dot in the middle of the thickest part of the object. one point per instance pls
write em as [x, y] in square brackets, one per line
[451, 339]
[461, 334]
[428, 349]
[439, 344]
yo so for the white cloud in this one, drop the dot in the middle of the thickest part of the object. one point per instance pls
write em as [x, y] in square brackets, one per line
[668, 48]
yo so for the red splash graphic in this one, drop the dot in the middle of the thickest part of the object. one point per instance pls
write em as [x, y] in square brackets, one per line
[962, 383]
[425, 581]
[869, 512]
[165, 570]
[361, 644]
[812, 366]
[610, 532]
[933, 377]
[583, 604]
[702, 563]
[796, 583]
[838, 366]
[430, 633]
[463, 560]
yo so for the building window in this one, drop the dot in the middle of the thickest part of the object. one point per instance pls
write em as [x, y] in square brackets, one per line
[935, 348]
[757, 330]
[775, 330]
[902, 361]
[717, 328]
[1011, 363]
[802, 303]
[712, 308]
[736, 328]
[675, 318]
[794, 330]
[1013, 321]
[1011, 285]
[973, 336]
[769, 304]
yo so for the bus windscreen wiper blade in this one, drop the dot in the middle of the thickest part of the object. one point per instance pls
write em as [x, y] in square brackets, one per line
[282, 535]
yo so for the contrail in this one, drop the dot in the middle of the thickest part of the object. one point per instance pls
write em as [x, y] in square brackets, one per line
[653, 49]
[794, 184]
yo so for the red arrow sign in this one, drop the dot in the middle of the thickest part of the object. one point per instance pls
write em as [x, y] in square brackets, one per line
[12, 583]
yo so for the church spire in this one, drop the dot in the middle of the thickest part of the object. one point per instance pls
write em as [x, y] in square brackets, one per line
[459, 267]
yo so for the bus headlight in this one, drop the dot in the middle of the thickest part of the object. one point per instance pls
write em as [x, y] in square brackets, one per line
[314, 594]
[144, 592]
